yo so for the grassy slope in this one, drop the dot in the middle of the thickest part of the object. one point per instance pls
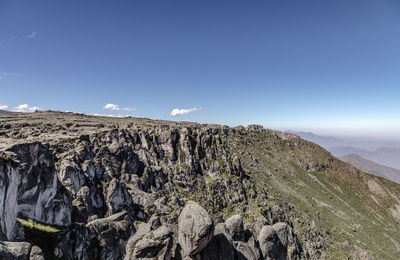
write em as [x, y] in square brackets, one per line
[352, 208]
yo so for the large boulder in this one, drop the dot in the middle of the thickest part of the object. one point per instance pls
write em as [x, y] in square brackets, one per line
[147, 244]
[195, 227]
[273, 241]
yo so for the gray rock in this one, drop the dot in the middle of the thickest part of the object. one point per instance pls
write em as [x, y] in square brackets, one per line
[112, 233]
[234, 226]
[31, 191]
[248, 250]
[36, 253]
[195, 228]
[237, 164]
[224, 247]
[146, 244]
[270, 243]
[14, 250]
[282, 232]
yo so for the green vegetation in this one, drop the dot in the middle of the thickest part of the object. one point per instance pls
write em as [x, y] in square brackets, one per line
[68, 141]
[351, 209]
[185, 166]
[210, 181]
[29, 223]
[6, 157]
[58, 163]
[221, 163]
[137, 223]
[228, 211]
[44, 236]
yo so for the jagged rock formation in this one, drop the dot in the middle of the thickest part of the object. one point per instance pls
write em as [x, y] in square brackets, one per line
[30, 189]
[80, 187]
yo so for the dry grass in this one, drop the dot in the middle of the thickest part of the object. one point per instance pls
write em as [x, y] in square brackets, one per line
[29, 223]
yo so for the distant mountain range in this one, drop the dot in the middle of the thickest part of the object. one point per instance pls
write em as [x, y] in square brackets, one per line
[386, 156]
[384, 161]
[372, 167]
[4, 112]
[324, 141]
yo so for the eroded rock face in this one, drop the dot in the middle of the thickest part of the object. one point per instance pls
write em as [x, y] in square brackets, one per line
[153, 244]
[102, 238]
[111, 180]
[195, 228]
[31, 190]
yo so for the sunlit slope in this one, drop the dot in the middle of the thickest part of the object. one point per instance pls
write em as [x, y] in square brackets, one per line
[358, 214]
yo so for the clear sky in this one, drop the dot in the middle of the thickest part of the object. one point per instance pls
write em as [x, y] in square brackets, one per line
[283, 64]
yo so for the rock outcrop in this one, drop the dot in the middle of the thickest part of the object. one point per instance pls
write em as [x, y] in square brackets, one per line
[20, 251]
[195, 227]
[30, 189]
[96, 187]
[147, 243]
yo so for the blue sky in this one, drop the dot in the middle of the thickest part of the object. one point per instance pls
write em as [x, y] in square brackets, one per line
[316, 65]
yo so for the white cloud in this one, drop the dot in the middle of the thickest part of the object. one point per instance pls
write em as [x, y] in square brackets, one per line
[32, 35]
[25, 108]
[3, 107]
[8, 74]
[22, 36]
[127, 109]
[111, 107]
[183, 111]
[115, 107]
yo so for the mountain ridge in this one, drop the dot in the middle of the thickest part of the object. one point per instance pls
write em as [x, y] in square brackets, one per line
[387, 156]
[125, 178]
[372, 167]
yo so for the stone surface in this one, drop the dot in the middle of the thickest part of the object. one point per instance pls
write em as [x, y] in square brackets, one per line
[278, 242]
[31, 190]
[36, 253]
[195, 227]
[234, 226]
[14, 250]
[145, 244]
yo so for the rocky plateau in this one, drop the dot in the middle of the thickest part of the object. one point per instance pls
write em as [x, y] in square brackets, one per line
[74, 186]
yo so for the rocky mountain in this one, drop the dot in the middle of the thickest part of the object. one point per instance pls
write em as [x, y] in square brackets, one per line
[5, 112]
[82, 187]
[340, 147]
[324, 141]
[372, 167]
[386, 156]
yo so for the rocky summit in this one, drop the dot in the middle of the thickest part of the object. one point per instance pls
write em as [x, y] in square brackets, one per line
[74, 186]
